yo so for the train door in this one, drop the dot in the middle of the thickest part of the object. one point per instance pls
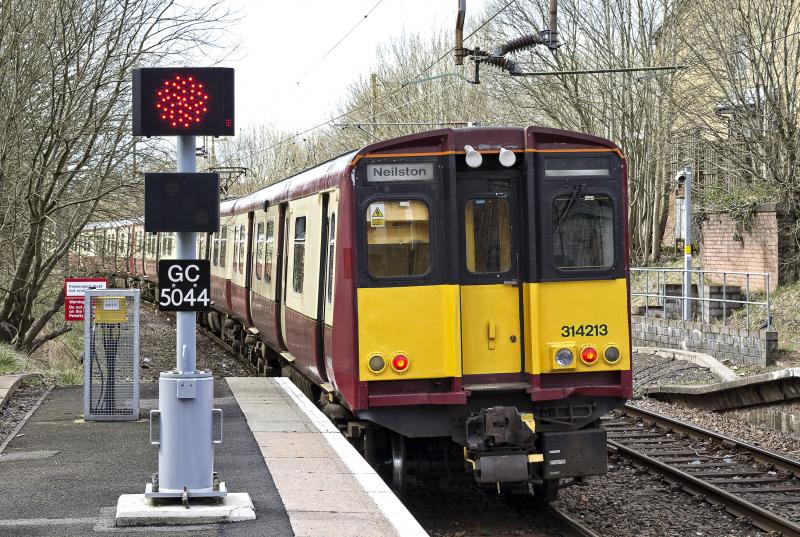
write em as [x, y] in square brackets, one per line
[491, 339]
[284, 272]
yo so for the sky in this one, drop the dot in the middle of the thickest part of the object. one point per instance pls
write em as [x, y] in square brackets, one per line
[281, 40]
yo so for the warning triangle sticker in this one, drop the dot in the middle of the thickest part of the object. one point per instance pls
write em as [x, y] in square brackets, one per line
[377, 213]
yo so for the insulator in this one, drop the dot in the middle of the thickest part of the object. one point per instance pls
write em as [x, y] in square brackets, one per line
[526, 41]
[501, 63]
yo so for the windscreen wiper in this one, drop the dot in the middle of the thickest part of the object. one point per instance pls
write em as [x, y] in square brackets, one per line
[569, 206]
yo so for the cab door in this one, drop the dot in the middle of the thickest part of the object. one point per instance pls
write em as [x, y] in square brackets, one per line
[491, 339]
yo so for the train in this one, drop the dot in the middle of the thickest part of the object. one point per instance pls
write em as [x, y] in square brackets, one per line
[456, 300]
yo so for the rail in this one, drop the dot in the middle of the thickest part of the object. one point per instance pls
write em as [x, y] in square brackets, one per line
[746, 480]
[715, 295]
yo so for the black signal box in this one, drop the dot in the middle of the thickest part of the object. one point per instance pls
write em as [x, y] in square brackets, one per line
[175, 101]
[181, 202]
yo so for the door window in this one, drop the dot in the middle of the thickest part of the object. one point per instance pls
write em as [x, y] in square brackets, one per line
[259, 249]
[398, 238]
[488, 235]
[268, 248]
[583, 232]
[298, 261]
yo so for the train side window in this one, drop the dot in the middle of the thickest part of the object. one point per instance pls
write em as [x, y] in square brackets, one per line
[299, 253]
[331, 249]
[259, 250]
[223, 246]
[269, 243]
[398, 238]
[583, 232]
[488, 235]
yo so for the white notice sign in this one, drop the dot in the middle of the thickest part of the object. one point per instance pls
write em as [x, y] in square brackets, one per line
[400, 171]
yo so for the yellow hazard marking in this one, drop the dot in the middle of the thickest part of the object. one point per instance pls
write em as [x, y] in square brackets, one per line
[535, 457]
[527, 419]
[377, 216]
[687, 249]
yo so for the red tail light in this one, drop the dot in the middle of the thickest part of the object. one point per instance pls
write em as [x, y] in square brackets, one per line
[589, 355]
[400, 363]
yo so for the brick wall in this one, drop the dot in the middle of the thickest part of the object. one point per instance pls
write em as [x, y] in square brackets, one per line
[741, 346]
[761, 249]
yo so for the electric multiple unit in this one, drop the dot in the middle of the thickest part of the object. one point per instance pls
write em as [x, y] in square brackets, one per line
[462, 284]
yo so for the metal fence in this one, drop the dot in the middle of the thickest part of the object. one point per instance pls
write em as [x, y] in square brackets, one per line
[728, 297]
[111, 354]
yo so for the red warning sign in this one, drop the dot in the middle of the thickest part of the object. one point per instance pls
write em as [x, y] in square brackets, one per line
[74, 289]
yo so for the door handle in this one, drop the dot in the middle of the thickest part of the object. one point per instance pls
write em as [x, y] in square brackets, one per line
[492, 334]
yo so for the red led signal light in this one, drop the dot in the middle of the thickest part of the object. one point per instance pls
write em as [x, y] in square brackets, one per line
[183, 101]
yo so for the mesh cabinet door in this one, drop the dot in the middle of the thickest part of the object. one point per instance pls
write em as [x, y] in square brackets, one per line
[111, 354]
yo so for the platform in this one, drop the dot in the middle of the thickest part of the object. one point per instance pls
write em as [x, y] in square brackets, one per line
[328, 489]
[773, 387]
[62, 476]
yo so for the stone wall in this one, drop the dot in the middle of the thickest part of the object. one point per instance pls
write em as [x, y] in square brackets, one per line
[739, 345]
[761, 248]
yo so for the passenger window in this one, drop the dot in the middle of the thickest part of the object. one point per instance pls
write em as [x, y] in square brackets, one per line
[331, 249]
[583, 232]
[398, 238]
[488, 235]
[268, 249]
[299, 253]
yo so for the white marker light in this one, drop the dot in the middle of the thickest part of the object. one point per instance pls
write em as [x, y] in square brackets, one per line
[507, 158]
[474, 159]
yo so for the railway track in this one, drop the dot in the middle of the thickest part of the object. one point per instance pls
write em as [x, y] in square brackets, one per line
[572, 526]
[745, 480]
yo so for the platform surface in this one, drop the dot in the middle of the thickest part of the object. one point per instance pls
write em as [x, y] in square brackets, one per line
[326, 486]
[62, 476]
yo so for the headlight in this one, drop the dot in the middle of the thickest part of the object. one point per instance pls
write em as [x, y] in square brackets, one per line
[376, 363]
[611, 354]
[564, 357]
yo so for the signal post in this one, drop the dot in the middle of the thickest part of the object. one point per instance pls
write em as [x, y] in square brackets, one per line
[184, 102]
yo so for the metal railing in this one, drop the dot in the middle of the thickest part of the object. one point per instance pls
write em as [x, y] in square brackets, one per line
[715, 295]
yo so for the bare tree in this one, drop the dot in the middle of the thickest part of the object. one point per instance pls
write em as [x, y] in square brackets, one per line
[631, 109]
[65, 145]
[745, 99]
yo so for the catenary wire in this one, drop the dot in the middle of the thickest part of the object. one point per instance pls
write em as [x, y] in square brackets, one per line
[339, 42]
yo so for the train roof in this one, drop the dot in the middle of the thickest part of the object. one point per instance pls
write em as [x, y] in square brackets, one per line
[113, 223]
[318, 178]
[436, 142]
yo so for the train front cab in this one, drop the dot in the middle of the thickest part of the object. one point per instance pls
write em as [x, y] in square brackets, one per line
[492, 301]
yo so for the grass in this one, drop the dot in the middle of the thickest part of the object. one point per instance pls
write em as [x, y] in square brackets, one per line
[9, 360]
[58, 361]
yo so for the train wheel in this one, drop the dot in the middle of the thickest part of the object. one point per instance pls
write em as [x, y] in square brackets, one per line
[399, 464]
[545, 492]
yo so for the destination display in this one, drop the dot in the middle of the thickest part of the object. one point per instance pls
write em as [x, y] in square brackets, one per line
[400, 171]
